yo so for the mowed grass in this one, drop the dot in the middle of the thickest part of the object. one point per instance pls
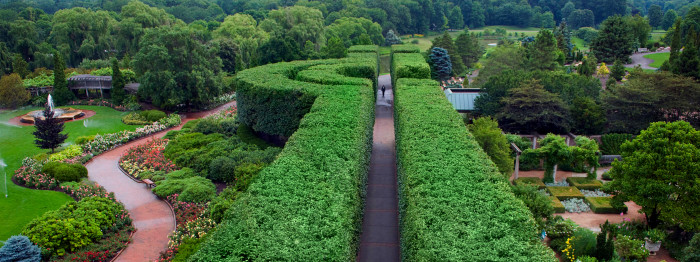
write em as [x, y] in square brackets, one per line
[425, 42]
[16, 142]
[659, 59]
[580, 44]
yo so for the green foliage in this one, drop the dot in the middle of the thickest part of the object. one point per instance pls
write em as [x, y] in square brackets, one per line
[543, 51]
[222, 169]
[661, 174]
[557, 205]
[118, 82]
[245, 173]
[441, 65]
[527, 162]
[392, 39]
[67, 153]
[604, 205]
[692, 252]
[135, 118]
[494, 143]
[352, 30]
[539, 204]
[468, 49]
[194, 189]
[81, 140]
[248, 136]
[610, 143]
[12, 92]
[48, 131]
[19, 248]
[335, 48]
[588, 118]
[584, 183]
[583, 242]
[631, 249]
[405, 49]
[188, 247]
[65, 172]
[20, 67]
[618, 71]
[74, 225]
[363, 49]
[408, 65]
[211, 125]
[615, 40]
[565, 192]
[532, 108]
[429, 134]
[61, 94]
[587, 34]
[532, 181]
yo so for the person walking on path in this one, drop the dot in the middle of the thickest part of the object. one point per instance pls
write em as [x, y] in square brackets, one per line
[383, 89]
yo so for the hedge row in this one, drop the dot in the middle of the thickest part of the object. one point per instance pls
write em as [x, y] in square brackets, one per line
[584, 183]
[363, 49]
[307, 205]
[454, 204]
[602, 205]
[532, 181]
[565, 192]
[557, 205]
[405, 49]
[411, 65]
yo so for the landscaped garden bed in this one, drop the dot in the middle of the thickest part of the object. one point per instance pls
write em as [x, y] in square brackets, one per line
[534, 181]
[557, 205]
[565, 192]
[603, 205]
[584, 183]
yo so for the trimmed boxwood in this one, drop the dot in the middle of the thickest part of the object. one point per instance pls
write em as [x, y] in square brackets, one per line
[65, 172]
[454, 204]
[408, 65]
[405, 49]
[584, 183]
[603, 205]
[363, 49]
[557, 205]
[307, 204]
[534, 181]
[565, 192]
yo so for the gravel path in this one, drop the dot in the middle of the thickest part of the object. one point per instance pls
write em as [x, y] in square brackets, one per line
[153, 218]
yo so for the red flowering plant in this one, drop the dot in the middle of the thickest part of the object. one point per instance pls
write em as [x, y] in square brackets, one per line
[193, 222]
[82, 190]
[146, 158]
[29, 175]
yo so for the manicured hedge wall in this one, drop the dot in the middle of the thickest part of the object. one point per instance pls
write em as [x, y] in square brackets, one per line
[307, 205]
[565, 192]
[363, 49]
[405, 49]
[602, 205]
[454, 204]
[533, 181]
[584, 183]
[410, 65]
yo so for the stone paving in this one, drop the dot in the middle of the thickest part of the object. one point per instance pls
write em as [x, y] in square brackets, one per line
[379, 240]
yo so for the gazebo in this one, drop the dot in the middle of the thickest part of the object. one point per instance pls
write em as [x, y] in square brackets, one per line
[87, 82]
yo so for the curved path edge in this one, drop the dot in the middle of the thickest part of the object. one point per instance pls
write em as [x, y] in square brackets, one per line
[152, 217]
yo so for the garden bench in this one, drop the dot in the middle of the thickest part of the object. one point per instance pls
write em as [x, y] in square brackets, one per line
[149, 183]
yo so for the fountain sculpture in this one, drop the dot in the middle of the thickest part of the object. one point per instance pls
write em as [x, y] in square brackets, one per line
[63, 114]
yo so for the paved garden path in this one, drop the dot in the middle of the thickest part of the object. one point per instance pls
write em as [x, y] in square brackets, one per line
[639, 59]
[380, 226]
[152, 217]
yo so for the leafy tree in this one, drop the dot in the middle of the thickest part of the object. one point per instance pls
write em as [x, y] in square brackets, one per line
[691, 253]
[688, 62]
[661, 173]
[563, 37]
[19, 248]
[335, 48]
[12, 92]
[501, 58]
[300, 23]
[281, 49]
[588, 66]
[640, 29]
[543, 52]
[247, 38]
[554, 151]
[351, 29]
[48, 131]
[468, 48]
[585, 155]
[392, 39]
[365, 40]
[456, 19]
[82, 33]
[118, 83]
[177, 68]
[61, 94]
[20, 67]
[656, 15]
[588, 118]
[5, 60]
[568, 8]
[618, 71]
[669, 18]
[440, 62]
[445, 41]
[494, 143]
[581, 18]
[532, 108]
[615, 40]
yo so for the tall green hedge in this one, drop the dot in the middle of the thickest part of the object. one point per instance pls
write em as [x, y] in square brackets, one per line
[454, 205]
[363, 49]
[405, 48]
[307, 205]
[408, 65]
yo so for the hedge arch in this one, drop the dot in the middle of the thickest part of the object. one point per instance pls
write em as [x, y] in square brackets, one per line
[307, 205]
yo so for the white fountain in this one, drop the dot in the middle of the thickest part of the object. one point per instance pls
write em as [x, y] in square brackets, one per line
[60, 113]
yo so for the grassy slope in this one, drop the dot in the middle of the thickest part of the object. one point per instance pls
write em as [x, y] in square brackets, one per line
[659, 59]
[24, 204]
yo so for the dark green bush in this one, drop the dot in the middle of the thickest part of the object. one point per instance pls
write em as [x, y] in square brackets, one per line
[190, 124]
[247, 135]
[245, 173]
[539, 205]
[210, 125]
[81, 140]
[222, 169]
[198, 192]
[408, 65]
[610, 143]
[152, 115]
[65, 172]
[584, 242]
[188, 247]
[308, 202]
[454, 204]
[526, 162]
[135, 118]
[534, 181]
[181, 174]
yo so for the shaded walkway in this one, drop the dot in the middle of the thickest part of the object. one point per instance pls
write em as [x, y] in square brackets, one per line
[380, 225]
[152, 217]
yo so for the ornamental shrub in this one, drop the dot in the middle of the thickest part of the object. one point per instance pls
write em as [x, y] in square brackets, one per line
[67, 153]
[81, 140]
[245, 173]
[152, 115]
[610, 143]
[584, 242]
[691, 252]
[222, 169]
[198, 192]
[135, 118]
[19, 249]
[65, 172]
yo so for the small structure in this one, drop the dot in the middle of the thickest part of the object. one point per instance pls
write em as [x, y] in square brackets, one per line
[87, 82]
[462, 98]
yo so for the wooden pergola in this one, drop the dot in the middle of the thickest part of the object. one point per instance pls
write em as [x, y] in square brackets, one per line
[87, 82]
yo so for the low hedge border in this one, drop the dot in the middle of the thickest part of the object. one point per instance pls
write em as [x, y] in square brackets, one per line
[557, 205]
[584, 183]
[307, 205]
[565, 192]
[533, 181]
[601, 205]
[453, 203]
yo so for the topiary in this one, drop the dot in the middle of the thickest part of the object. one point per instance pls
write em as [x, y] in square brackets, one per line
[19, 249]
[65, 172]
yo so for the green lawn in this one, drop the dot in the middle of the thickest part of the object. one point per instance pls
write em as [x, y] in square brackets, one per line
[425, 42]
[24, 204]
[580, 44]
[659, 59]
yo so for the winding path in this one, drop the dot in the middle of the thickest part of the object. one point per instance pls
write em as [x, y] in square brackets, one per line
[152, 217]
[639, 59]
[379, 240]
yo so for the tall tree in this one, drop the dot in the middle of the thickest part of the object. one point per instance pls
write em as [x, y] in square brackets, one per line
[118, 83]
[12, 92]
[392, 39]
[61, 94]
[588, 66]
[688, 62]
[246, 38]
[655, 15]
[532, 108]
[335, 48]
[615, 40]
[48, 131]
[661, 173]
[468, 49]
[543, 52]
[441, 63]
[669, 18]
[5, 60]
[588, 118]
[618, 71]
[494, 143]
[568, 8]
[640, 29]
[456, 20]
[20, 67]
[581, 18]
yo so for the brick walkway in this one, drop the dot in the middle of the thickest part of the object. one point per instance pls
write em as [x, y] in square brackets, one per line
[152, 217]
[380, 226]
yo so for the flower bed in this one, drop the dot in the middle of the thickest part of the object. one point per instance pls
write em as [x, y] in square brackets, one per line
[106, 142]
[565, 192]
[584, 183]
[594, 193]
[193, 222]
[575, 205]
[29, 175]
[146, 158]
